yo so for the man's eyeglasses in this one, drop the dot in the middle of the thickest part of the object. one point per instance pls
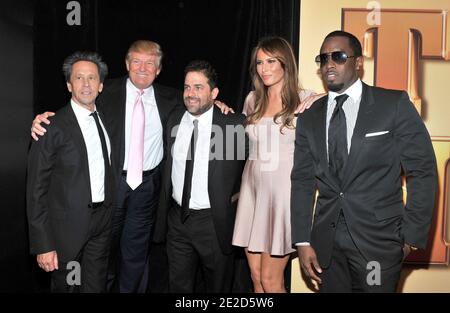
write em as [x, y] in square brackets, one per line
[338, 57]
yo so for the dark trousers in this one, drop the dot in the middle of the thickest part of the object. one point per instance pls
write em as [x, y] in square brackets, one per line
[349, 272]
[88, 274]
[193, 246]
[133, 225]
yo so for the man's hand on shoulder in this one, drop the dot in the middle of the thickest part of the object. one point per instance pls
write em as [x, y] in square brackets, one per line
[36, 128]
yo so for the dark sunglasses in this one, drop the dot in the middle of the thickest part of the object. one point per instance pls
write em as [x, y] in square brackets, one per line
[338, 57]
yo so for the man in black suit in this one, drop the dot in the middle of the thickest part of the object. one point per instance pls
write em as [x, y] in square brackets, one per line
[206, 152]
[352, 147]
[134, 218]
[70, 185]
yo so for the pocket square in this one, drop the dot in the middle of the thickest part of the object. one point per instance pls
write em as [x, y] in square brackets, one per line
[377, 133]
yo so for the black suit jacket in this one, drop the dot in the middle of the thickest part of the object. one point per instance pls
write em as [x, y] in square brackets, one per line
[112, 103]
[371, 194]
[59, 202]
[224, 177]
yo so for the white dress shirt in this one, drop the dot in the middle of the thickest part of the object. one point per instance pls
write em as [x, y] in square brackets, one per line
[94, 150]
[199, 192]
[351, 108]
[153, 131]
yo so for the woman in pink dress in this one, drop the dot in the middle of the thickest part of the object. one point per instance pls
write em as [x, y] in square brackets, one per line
[263, 216]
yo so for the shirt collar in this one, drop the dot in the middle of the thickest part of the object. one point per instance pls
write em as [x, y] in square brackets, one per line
[81, 112]
[204, 119]
[148, 92]
[354, 92]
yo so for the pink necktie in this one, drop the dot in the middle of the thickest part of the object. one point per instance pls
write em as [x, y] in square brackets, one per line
[136, 152]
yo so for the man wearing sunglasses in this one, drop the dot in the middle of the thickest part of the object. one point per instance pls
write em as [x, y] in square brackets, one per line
[352, 147]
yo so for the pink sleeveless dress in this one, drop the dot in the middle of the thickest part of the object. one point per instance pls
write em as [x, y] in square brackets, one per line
[263, 214]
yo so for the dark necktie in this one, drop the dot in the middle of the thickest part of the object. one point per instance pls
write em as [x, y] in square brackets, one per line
[104, 148]
[188, 174]
[337, 139]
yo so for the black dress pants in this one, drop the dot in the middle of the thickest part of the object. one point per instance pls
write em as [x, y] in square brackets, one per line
[88, 273]
[133, 224]
[193, 246]
[349, 271]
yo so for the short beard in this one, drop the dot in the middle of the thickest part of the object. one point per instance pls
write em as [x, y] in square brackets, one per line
[202, 109]
[335, 87]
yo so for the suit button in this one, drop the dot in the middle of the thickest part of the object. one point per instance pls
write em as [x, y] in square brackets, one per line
[90, 206]
[333, 225]
[341, 195]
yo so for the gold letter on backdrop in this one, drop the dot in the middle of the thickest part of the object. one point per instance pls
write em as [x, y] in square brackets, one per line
[398, 42]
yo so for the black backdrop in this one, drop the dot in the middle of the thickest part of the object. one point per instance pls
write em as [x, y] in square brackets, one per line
[35, 38]
[220, 31]
[16, 98]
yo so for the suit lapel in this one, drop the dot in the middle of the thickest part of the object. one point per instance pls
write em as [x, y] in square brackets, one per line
[362, 121]
[161, 102]
[75, 131]
[216, 120]
[321, 139]
[111, 107]
[175, 122]
[121, 116]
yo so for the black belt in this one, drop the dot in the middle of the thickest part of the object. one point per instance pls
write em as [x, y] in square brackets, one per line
[96, 205]
[144, 173]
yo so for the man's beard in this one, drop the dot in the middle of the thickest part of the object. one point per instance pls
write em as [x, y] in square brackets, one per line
[201, 109]
[335, 87]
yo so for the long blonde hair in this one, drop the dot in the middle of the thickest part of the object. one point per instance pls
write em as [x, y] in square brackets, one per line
[280, 49]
